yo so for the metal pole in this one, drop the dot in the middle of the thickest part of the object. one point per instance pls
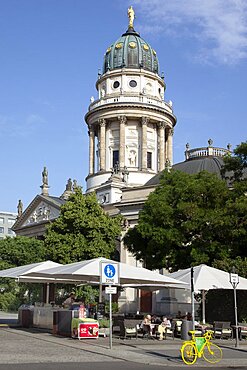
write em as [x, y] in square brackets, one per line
[203, 307]
[47, 293]
[100, 292]
[192, 298]
[234, 280]
[236, 314]
[110, 321]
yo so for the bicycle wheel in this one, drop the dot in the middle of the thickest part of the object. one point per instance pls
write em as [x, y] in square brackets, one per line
[212, 353]
[189, 353]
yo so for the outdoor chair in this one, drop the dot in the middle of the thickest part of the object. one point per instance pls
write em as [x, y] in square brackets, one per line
[115, 322]
[128, 328]
[177, 327]
[242, 330]
[170, 331]
[222, 329]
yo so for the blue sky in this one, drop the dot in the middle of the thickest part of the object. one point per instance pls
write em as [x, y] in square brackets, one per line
[51, 50]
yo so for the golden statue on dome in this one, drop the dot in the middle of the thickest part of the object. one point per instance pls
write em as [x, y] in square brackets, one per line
[131, 16]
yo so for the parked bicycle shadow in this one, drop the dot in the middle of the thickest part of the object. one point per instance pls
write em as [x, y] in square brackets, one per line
[171, 358]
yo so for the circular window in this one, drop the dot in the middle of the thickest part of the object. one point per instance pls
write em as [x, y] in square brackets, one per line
[116, 84]
[133, 83]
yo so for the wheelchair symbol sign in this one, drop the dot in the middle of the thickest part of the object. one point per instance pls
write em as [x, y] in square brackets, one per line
[109, 273]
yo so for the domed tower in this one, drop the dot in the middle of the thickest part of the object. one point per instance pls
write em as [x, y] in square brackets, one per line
[130, 126]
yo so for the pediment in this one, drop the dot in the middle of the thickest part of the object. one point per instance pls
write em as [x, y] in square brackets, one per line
[43, 212]
[41, 209]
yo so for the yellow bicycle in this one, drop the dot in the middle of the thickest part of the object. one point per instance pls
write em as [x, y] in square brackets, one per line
[200, 346]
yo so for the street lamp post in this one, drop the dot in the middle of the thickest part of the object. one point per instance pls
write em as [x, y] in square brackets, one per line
[234, 280]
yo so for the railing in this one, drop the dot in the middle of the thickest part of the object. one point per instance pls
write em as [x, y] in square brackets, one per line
[205, 152]
[131, 99]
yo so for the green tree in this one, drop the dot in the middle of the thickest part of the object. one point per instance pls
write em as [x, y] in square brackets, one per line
[20, 250]
[14, 252]
[82, 231]
[227, 264]
[187, 220]
[235, 165]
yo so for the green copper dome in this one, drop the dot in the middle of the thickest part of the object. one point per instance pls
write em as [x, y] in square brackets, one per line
[131, 51]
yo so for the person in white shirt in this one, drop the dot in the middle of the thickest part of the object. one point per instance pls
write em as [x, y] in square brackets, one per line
[162, 327]
[69, 301]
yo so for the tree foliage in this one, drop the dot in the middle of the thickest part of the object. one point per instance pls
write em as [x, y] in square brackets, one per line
[14, 252]
[20, 250]
[187, 220]
[82, 231]
[235, 165]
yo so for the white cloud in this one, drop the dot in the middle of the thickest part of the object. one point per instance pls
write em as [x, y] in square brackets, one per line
[34, 119]
[11, 126]
[218, 26]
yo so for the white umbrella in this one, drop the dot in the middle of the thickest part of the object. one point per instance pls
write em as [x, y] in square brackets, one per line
[154, 287]
[20, 273]
[90, 271]
[206, 278]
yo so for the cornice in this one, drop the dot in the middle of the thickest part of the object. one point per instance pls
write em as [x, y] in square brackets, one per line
[140, 106]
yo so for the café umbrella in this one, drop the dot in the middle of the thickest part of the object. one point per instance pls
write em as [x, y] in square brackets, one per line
[90, 271]
[20, 274]
[205, 278]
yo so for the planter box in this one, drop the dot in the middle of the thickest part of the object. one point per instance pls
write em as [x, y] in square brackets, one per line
[104, 332]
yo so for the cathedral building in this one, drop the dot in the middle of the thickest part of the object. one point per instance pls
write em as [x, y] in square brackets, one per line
[131, 128]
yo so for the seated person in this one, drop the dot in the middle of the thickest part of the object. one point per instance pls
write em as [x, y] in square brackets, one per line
[147, 325]
[155, 320]
[166, 323]
[69, 301]
[179, 315]
[188, 316]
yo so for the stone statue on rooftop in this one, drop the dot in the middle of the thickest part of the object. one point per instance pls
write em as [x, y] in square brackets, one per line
[69, 185]
[210, 142]
[75, 185]
[19, 208]
[45, 176]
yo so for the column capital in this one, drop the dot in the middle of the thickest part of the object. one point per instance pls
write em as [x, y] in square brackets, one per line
[161, 124]
[122, 119]
[170, 131]
[91, 130]
[145, 120]
[102, 122]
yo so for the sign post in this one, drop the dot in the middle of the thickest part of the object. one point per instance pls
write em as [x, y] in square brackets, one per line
[110, 276]
[192, 297]
[234, 280]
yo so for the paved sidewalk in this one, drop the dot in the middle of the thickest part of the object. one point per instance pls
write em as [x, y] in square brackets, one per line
[32, 346]
[35, 346]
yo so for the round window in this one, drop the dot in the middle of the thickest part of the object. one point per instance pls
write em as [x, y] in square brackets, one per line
[133, 83]
[116, 84]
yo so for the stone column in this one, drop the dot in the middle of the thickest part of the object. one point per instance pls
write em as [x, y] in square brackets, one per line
[170, 133]
[102, 123]
[161, 134]
[91, 134]
[144, 143]
[122, 120]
